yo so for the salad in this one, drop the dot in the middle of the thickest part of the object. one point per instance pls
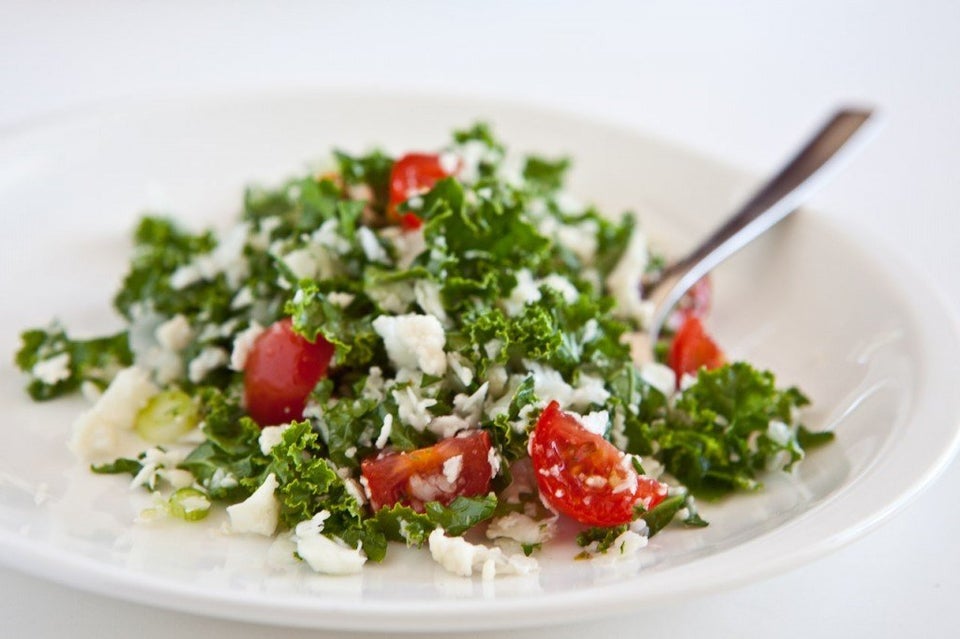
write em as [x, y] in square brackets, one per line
[432, 349]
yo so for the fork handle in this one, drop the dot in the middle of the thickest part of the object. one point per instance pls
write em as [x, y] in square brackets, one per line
[806, 172]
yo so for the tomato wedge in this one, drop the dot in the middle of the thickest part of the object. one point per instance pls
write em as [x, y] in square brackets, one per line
[583, 476]
[412, 174]
[281, 371]
[692, 349]
[453, 467]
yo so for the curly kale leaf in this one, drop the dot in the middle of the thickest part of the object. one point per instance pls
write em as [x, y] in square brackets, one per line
[231, 452]
[160, 248]
[349, 329]
[308, 483]
[478, 244]
[543, 175]
[402, 523]
[603, 536]
[372, 169]
[95, 360]
[509, 430]
[718, 436]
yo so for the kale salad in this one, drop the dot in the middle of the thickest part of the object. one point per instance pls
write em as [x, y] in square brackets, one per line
[412, 349]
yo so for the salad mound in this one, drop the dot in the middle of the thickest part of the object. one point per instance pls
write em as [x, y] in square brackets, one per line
[410, 349]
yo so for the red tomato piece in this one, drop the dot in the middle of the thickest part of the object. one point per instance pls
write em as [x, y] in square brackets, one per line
[583, 476]
[411, 222]
[413, 173]
[692, 348]
[281, 371]
[430, 474]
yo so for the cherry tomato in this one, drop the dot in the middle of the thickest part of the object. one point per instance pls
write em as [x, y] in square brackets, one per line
[430, 474]
[413, 173]
[692, 348]
[281, 371]
[583, 476]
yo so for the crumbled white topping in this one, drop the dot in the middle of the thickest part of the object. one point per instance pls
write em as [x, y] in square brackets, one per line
[446, 426]
[570, 205]
[414, 341]
[427, 293]
[659, 376]
[328, 236]
[384, 435]
[493, 348]
[341, 299]
[373, 385]
[779, 432]
[153, 465]
[651, 467]
[449, 162]
[412, 408]
[96, 432]
[498, 404]
[470, 407]
[174, 334]
[222, 479]
[242, 345]
[629, 483]
[52, 370]
[242, 299]
[302, 263]
[563, 286]
[525, 292]
[687, 380]
[580, 239]
[510, 170]
[407, 244]
[323, 554]
[596, 422]
[549, 385]
[589, 390]
[452, 468]
[591, 330]
[177, 477]
[270, 436]
[494, 460]
[457, 555]
[472, 153]
[393, 297]
[226, 258]
[432, 487]
[210, 359]
[90, 391]
[618, 434]
[625, 546]
[624, 281]
[371, 246]
[460, 367]
[521, 528]
[259, 513]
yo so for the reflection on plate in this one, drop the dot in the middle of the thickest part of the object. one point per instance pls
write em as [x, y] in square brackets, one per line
[874, 350]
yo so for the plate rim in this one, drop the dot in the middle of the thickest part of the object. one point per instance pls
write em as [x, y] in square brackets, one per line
[50, 563]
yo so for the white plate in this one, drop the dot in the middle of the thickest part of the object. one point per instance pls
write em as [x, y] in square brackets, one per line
[871, 345]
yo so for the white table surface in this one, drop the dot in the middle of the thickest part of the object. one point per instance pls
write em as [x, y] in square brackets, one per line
[742, 81]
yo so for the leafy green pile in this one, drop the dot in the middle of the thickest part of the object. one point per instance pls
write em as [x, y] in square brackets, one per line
[525, 309]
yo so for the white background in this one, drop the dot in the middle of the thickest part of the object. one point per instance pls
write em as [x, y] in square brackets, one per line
[742, 81]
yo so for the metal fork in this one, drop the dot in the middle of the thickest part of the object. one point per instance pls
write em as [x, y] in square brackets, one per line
[810, 168]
